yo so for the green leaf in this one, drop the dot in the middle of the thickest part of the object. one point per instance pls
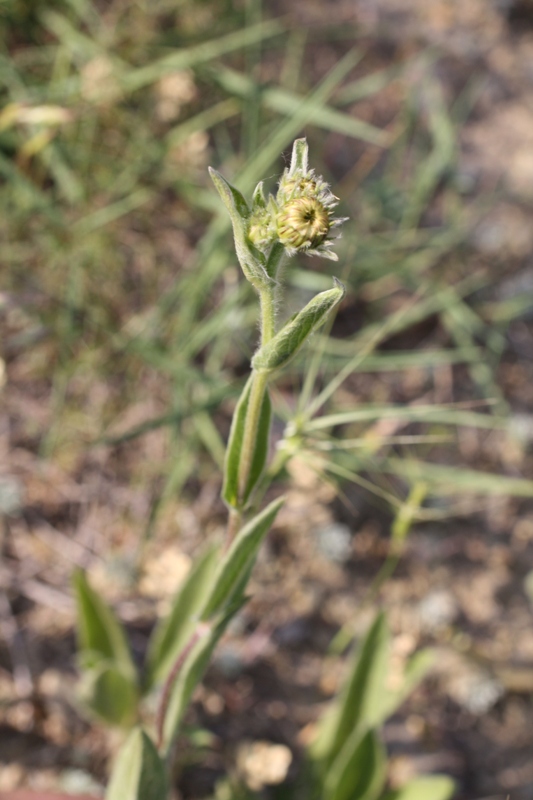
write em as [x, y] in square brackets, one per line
[230, 491]
[251, 260]
[286, 343]
[238, 559]
[139, 773]
[300, 156]
[192, 672]
[258, 197]
[99, 631]
[171, 633]
[360, 704]
[359, 771]
[109, 694]
[432, 787]
[415, 671]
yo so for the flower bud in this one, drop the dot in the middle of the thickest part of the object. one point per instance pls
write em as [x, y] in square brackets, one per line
[303, 224]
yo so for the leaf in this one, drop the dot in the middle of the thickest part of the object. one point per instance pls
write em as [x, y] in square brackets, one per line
[300, 156]
[230, 491]
[99, 630]
[139, 773]
[171, 633]
[415, 671]
[109, 694]
[432, 787]
[251, 260]
[286, 343]
[258, 197]
[359, 771]
[360, 704]
[238, 559]
[192, 672]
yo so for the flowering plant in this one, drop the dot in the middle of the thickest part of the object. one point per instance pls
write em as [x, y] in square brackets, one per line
[347, 760]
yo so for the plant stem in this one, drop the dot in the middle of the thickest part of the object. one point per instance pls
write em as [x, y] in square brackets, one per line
[233, 527]
[268, 315]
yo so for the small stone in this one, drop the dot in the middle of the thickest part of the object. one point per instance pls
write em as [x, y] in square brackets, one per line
[335, 542]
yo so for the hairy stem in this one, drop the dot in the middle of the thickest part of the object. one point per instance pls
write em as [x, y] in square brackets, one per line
[268, 315]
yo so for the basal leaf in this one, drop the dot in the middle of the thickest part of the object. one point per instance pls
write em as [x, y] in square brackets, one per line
[139, 773]
[359, 771]
[286, 343]
[360, 704]
[108, 693]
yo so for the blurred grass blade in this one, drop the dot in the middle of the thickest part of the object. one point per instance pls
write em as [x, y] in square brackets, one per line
[452, 480]
[359, 706]
[172, 632]
[284, 102]
[432, 787]
[202, 121]
[238, 559]
[186, 58]
[415, 671]
[442, 415]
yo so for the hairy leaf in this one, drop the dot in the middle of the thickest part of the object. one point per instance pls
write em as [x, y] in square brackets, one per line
[286, 343]
[250, 259]
[238, 559]
[230, 491]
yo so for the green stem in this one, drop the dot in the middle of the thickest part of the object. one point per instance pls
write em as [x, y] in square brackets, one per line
[268, 315]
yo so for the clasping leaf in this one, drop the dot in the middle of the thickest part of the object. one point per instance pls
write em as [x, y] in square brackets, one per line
[284, 346]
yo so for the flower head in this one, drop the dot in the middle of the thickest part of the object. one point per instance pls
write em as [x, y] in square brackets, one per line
[303, 223]
[300, 216]
[305, 204]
